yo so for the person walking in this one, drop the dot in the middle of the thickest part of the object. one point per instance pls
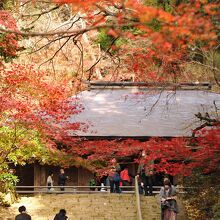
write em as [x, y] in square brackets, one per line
[169, 208]
[62, 179]
[23, 215]
[61, 215]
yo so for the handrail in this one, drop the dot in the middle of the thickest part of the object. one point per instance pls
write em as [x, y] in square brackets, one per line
[69, 189]
[108, 187]
[155, 187]
[82, 189]
[139, 214]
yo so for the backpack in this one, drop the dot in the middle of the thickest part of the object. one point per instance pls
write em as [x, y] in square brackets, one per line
[92, 182]
[125, 176]
[116, 177]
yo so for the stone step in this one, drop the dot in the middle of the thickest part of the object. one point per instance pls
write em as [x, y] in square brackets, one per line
[150, 206]
[86, 207]
[78, 206]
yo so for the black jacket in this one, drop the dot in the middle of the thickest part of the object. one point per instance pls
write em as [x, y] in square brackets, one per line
[62, 179]
[60, 217]
[23, 216]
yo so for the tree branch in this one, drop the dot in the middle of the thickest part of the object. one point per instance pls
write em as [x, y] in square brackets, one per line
[76, 31]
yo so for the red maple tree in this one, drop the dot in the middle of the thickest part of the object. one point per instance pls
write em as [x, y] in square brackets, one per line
[37, 101]
[171, 35]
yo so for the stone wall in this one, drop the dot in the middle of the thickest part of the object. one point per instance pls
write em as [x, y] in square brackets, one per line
[87, 207]
[78, 207]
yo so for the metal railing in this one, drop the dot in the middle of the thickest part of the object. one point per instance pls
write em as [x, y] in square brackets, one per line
[70, 189]
[84, 189]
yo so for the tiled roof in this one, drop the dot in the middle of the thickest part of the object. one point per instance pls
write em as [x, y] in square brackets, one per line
[135, 112]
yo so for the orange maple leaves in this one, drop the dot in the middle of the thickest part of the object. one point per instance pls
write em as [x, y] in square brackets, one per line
[171, 34]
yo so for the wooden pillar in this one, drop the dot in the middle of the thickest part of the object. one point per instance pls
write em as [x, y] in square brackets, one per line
[84, 176]
[36, 174]
[43, 177]
[39, 175]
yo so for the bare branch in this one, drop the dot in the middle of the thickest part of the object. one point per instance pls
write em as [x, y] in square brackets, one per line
[208, 122]
[205, 65]
[42, 13]
[75, 31]
[106, 11]
[56, 52]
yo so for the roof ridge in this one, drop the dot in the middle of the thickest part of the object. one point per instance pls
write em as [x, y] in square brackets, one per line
[154, 85]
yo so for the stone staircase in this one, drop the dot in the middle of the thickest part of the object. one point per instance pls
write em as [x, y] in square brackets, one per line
[150, 208]
[86, 207]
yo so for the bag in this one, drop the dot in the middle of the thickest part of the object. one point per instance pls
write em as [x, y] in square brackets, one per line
[116, 177]
[165, 205]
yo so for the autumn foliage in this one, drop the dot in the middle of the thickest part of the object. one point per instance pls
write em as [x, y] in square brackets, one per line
[34, 100]
[172, 34]
[8, 41]
[172, 156]
[158, 42]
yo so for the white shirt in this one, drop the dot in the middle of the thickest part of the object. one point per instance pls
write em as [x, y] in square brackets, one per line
[50, 180]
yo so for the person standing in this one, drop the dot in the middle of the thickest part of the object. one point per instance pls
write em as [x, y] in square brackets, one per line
[61, 215]
[114, 176]
[50, 181]
[114, 180]
[126, 178]
[93, 182]
[115, 165]
[23, 215]
[169, 208]
[62, 179]
[145, 172]
[103, 180]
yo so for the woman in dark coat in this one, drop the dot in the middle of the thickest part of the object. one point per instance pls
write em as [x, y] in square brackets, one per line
[168, 201]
